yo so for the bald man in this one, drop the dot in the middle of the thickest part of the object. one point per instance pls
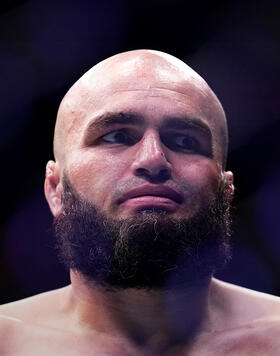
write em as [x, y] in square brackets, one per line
[140, 197]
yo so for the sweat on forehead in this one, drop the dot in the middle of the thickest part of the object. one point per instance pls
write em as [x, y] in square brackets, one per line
[147, 69]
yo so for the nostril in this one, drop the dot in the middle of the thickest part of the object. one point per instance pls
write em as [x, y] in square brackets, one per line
[160, 172]
[164, 172]
[160, 176]
[141, 171]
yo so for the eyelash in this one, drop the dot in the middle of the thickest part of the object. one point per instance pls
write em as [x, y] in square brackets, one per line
[129, 140]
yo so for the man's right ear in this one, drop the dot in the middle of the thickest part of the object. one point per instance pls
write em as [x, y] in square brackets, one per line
[53, 187]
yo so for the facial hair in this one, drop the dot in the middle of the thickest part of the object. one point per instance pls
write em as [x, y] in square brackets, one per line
[150, 250]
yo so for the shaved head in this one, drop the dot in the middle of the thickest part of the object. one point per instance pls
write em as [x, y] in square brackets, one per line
[130, 71]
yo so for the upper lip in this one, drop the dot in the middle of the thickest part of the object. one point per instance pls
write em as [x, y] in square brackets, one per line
[157, 191]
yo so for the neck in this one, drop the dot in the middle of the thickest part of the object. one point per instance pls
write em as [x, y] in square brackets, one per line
[150, 318]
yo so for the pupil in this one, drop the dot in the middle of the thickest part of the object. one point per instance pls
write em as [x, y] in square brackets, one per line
[187, 143]
[120, 137]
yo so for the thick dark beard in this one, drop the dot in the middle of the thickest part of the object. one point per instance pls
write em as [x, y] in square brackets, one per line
[147, 251]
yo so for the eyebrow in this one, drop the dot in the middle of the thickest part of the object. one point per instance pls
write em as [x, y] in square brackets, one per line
[108, 120]
[185, 123]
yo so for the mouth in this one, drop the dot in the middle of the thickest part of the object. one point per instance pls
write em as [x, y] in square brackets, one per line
[152, 197]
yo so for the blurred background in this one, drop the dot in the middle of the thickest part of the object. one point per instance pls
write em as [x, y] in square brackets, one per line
[45, 46]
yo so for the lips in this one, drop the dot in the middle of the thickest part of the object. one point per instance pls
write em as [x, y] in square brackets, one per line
[152, 191]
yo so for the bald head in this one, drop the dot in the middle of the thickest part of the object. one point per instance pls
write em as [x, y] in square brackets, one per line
[145, 70]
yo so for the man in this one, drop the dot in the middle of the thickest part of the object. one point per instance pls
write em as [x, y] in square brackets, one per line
[140, 197]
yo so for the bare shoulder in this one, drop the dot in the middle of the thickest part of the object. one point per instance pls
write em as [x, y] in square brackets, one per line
[36, 308]
[31, 322]
[246, 301]
[247, 322]
[246, 309]
[9, 327]
[254, 338]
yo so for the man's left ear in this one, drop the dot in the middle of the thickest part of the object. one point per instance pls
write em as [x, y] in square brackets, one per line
[229, 186]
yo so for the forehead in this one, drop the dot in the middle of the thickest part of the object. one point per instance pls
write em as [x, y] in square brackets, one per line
[153, 107]
[159, 91]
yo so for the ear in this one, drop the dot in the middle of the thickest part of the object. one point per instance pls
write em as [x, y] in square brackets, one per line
[228, 177]
[53, 187]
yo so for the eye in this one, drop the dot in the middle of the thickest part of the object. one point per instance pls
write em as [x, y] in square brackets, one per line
[118, 137]
[181, 143]
[186, 142]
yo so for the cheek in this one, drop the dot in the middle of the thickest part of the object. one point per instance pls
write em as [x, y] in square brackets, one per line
[93, 175]
[202, 178]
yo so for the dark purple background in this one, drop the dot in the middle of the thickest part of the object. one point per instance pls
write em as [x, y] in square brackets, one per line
[47, 45]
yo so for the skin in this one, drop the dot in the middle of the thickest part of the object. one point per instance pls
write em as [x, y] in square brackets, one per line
[85, 319]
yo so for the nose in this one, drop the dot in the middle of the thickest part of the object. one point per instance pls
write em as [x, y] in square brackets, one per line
[150, 160]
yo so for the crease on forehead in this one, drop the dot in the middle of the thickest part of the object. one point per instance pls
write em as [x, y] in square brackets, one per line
[120, 72]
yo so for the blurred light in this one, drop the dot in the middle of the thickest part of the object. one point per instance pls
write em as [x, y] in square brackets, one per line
[242, 68]
[66, 36]
[268, 212]
[247, 269]
[17, 92]
[29, 247]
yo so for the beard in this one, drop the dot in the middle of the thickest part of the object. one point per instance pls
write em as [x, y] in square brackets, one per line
[150, 250]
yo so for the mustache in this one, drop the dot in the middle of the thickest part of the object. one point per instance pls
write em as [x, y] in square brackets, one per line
[123, 187]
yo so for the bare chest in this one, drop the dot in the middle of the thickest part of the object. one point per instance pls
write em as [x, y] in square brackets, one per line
[51, 342]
